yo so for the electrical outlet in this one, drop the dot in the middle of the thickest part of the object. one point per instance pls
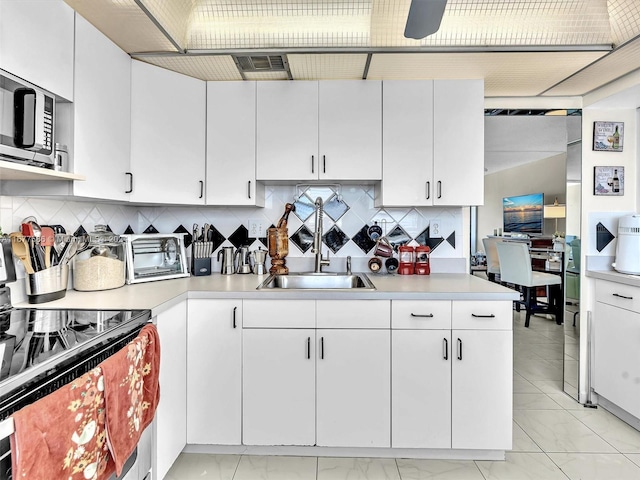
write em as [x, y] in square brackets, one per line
[439, 228]
[256, 229]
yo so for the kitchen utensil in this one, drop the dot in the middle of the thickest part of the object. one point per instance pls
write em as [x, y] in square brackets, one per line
[383, 248]
[48, 284]
[278, 242]
[374, 231]
[48, 240]
[227, 266]
[196, 232]
[375, 264]
[244, 263]
[391, 264]
[21, 250]
[259, 257]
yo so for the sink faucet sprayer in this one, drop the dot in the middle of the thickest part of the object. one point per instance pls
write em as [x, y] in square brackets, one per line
[317, 238]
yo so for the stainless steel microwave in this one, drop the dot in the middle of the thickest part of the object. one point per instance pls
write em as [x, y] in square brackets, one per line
[27, 117]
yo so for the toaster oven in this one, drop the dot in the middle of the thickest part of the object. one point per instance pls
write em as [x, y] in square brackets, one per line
[155, 256]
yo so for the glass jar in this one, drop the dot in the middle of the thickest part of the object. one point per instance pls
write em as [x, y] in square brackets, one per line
[102, 265]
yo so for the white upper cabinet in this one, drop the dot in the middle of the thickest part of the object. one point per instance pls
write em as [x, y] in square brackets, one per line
[319, 130]
[168, 112]
[36, 43]
[231, 144]
[101, 115]
[407, 143]
[287, 131]
[458, 146]
[350, 130]
[433, 137]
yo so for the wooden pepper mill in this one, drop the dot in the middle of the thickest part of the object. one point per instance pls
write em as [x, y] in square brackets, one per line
[278, 241]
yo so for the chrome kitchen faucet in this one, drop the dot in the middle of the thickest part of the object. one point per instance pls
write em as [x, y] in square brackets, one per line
[317, 238]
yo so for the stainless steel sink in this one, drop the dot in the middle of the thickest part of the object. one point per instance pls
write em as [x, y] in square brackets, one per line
[318, 281]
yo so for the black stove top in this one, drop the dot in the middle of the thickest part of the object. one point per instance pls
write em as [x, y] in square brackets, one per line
[36, 343]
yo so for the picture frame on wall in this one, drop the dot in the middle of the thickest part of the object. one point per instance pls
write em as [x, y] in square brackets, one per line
[608, 180]
[608, 136]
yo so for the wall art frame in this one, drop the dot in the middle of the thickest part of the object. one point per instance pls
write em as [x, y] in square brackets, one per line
[608, 181]
[608, 136]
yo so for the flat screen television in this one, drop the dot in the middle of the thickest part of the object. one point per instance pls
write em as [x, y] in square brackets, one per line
[523, 214]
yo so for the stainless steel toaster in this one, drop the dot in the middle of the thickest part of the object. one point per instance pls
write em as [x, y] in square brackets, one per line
[155, 256]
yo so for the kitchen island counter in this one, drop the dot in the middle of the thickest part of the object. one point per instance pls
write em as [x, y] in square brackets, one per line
[159, 295]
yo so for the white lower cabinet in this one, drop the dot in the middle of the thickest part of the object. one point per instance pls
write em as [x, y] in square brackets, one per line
[278, 386]
[353, 388]
[171, 415]
[214, 372]
[452, 388]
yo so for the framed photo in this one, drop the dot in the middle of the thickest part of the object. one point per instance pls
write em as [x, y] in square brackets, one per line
[608, 136]
[608, 180]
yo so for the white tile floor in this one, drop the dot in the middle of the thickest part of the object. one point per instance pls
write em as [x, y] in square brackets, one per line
[554, 437]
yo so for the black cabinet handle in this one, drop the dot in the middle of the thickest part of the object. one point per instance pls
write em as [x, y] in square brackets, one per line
[313, 161]
[308, 348]
[324, 164]
[428, 190]
[459, 349]
[491, 315]
[445, 347]
[201, 189]
[249, 189]
[622, 296]
[439, 189]
[130, 182]
[322, 348]
[416, 315]
[234, 316]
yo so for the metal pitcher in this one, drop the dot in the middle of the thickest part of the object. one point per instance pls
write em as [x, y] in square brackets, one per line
[227, 266]
[244, 264]
[259, 258]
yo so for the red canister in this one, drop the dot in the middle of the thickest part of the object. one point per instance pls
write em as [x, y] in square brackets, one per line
[422, 260]
[407, 260]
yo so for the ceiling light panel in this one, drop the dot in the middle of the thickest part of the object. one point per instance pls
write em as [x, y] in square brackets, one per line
[505, 74]
[500, 22]
[204, 67]
[266, 76]
[611, 67]
[173, 16]
[327, 66]
[124, 23]
[227, 24]
[624, 16]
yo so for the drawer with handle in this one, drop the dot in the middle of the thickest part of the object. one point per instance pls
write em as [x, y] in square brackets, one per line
[481, 315]
[618, 295]
[421, 314]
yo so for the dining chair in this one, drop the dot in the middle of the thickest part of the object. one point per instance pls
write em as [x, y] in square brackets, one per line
[515, 268]
[493, 262]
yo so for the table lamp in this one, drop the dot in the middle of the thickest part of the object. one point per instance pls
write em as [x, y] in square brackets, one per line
[555, 211]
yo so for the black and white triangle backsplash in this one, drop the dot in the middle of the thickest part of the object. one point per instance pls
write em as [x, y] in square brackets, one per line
[349, 211]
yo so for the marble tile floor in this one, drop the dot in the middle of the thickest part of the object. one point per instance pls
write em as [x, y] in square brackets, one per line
[554, 437]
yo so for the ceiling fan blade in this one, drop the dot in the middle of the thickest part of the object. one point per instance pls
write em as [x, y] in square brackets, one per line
[424, 18]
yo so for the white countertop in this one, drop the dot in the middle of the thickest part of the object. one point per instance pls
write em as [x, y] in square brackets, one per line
[613, 276]
[159, 295]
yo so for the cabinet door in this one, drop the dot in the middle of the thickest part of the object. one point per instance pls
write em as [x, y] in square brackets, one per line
[421, 389]
[353, 388]
[231, 144]
[287, 131]
[167, 136]
[458, 142]
[407, 140]
[102, 122]
[481, 391]
[36, 43]
[214, 376]
[350, 130]
[278, 385]
[171, 415]
[616, 373]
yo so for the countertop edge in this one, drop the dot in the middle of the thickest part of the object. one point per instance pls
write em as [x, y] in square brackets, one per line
[613, 276]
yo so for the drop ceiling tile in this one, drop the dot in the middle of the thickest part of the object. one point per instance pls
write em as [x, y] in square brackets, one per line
[504, 73]
[616, 64]
[327, 66]
[125, 24]
[266, 76]
[204, 67]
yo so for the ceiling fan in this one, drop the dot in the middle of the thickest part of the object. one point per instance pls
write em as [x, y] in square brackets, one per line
[424, 18]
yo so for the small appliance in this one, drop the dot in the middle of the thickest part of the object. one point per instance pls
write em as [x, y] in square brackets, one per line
[628, 247]
[244, 260]
[155, 256]
[227, 266]
[259, 257]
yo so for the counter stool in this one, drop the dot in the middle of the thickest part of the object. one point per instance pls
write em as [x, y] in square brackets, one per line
[515, 268]
[493, 262]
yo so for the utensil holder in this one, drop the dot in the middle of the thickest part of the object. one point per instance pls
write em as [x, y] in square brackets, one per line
[48, 284]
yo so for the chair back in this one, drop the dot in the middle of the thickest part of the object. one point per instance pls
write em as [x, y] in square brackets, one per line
[515, 263]
[493, 262]
[575, 253]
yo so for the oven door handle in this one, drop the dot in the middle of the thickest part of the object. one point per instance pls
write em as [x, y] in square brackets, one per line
[6, 428]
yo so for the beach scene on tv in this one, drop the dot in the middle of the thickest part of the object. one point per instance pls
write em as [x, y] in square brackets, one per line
[523, 213]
